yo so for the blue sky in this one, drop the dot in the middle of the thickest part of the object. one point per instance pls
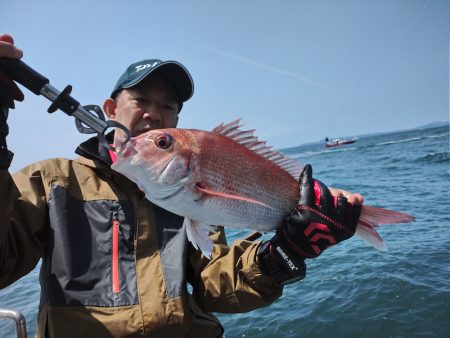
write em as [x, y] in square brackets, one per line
[296, 71]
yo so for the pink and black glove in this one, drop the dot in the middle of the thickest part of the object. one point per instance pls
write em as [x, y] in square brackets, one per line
[319, 221]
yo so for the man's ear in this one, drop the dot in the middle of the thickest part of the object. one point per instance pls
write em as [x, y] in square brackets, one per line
[109, 107]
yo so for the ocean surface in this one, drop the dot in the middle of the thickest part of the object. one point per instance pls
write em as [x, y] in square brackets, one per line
[353, 290]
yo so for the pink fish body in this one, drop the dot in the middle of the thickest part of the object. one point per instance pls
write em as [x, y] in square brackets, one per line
[225, 177]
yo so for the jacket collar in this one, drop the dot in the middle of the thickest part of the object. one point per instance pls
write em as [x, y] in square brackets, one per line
[94, 150]
[94, 154]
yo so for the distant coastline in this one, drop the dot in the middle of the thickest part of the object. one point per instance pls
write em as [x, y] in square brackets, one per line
[434, 124]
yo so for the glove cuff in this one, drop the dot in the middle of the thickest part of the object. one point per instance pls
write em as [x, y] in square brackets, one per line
[281, 263]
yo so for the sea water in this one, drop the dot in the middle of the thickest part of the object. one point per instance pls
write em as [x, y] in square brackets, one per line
[353, 290]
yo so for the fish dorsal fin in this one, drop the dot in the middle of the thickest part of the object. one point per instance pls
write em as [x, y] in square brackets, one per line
[246, 138]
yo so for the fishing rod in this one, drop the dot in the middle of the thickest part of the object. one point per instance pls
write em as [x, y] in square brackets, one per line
[89, 119]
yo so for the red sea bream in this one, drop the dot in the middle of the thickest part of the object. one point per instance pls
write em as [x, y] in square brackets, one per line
[224, 177]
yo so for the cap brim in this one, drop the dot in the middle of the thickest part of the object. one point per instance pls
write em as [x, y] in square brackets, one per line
[175, 73]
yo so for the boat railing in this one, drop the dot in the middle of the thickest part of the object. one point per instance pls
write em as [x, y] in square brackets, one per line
[21, 327]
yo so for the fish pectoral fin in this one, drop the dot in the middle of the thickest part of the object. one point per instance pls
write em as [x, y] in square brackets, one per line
[231, 196]
[198, 235]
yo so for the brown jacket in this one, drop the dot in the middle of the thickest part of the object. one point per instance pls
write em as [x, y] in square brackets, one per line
[114, 264]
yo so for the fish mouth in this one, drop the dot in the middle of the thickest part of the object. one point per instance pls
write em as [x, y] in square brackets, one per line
[128, 149]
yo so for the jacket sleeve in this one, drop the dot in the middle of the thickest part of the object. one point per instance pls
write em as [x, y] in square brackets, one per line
[231, 281]
[23, 210]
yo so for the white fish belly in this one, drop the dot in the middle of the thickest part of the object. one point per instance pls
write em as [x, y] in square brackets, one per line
[222, 211]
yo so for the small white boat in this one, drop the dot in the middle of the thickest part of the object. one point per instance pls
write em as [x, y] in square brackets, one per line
[339, 142]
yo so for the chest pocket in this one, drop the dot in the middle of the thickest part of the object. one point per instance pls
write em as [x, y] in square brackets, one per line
[89, 257]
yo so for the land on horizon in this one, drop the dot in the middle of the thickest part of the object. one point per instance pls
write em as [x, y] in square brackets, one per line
[434, 124]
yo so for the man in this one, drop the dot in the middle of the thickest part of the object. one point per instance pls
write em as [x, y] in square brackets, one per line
[114, 264]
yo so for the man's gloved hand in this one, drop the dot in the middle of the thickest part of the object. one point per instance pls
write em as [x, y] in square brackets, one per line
[319, 221]
[9, 92]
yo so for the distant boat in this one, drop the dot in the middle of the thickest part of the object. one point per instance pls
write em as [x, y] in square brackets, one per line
[339, 141]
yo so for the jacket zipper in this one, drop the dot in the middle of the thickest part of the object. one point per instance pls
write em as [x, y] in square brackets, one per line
[115, 256]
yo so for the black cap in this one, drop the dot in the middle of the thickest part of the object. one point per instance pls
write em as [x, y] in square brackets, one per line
[173, 71]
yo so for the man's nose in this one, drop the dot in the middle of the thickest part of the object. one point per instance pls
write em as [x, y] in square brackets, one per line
[152, 113]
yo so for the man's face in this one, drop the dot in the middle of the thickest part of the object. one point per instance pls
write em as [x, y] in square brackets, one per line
[153, 104]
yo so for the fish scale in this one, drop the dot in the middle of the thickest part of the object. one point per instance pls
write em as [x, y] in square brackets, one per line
[228, 166]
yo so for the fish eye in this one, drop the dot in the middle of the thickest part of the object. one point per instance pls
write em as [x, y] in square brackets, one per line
[164, 141]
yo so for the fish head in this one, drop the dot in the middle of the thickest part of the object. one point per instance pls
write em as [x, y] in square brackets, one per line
[157, 160]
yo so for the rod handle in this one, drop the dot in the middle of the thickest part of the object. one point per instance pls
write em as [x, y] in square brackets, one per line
[19, 71]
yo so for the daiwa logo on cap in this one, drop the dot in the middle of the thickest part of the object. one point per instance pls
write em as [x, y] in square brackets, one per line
[172, 71]
[145, 66]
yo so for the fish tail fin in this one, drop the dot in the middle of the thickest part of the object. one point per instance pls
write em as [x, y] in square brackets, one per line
[198, 235]
[371, 217]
